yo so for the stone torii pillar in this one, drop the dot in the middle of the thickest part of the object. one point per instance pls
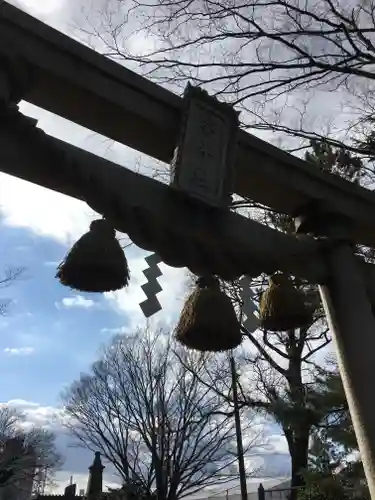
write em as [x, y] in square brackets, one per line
[69, 80]
[352, 324]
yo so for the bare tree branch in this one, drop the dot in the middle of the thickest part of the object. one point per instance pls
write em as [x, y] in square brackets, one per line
[27, 458]
[152, 417]
[260, 55]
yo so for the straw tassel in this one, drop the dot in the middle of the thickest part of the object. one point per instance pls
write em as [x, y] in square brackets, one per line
[208, 321]
[96, 262]
[283, 307]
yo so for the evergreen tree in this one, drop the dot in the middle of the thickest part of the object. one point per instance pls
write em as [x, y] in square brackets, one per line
[288, 381]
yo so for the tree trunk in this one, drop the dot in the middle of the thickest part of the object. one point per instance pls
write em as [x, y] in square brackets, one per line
[298, 434]
[298, 449]
[299, 462]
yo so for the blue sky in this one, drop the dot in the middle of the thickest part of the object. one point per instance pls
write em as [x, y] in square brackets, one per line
[48, 329]
[51, 334]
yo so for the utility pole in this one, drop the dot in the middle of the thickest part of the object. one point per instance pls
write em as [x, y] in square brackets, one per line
[241, 461]
[161, 473]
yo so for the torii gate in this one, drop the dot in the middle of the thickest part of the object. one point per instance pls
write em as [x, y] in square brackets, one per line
[52, 71]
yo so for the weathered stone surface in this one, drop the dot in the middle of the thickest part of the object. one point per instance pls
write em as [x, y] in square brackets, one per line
[156, 218]
[82, 86]
[202, 166]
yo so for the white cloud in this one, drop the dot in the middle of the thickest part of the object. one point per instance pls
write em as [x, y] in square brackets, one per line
[21, 403]
[115, 331]
[142, 42]
[76, 301]
[63, 479]
[37, 414]
[127, 300]
[277, 444]
[48, 213]
[272, 458]
[19, 351]
[53, 215]
[38, 8]
[43, 211]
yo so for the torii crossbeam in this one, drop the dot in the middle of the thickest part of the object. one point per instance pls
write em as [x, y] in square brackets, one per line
[42, 66]
[82, 86]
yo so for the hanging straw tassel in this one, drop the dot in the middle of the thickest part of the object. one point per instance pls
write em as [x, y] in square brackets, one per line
[283, 307]
[208, 321]
[96, 263]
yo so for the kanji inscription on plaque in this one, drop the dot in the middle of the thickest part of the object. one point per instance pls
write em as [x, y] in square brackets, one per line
[203, 159]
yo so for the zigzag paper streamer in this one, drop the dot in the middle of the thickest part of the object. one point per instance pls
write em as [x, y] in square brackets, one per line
[250, 321]
[151, 305]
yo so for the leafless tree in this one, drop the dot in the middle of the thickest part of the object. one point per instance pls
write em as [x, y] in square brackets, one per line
[153, 420]
[277, 375]
[270, 58]
[280, 370]
[10, 274]
[24, 454]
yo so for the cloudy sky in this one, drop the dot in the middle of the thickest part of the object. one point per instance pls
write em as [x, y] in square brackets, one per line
[50, 334]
